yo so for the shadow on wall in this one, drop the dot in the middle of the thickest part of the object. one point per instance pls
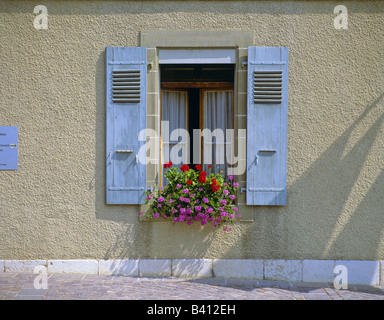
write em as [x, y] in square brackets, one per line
[121, 235]
[325, 206]
[336, 213]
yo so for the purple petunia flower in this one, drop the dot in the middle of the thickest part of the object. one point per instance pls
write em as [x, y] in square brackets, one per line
[178, 185]
[185, 190]
[225, 192]
[223, 201]
[209, 210]
[160, 199]
[205, 200]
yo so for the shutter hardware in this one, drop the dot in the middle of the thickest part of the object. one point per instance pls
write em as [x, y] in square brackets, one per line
[124, 151]
[9, 145]
[262, 189]
[245, 63]
[129, 188]
[268, 62]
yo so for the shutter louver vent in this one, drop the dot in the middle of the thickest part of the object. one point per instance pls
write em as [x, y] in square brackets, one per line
[267, 86]
[126, 86]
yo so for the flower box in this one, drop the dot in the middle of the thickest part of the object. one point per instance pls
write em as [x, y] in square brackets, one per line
[193, 196]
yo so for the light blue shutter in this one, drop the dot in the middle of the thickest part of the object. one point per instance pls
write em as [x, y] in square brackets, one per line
[8, 148]
[267, 117]
[126, 81]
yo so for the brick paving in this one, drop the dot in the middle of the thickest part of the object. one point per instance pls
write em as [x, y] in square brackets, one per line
[20, 286]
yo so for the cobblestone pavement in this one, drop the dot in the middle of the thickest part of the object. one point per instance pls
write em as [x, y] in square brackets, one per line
[20, 286]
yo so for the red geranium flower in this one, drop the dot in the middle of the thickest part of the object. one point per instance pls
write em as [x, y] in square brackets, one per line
[189, 182]
[184, 168]
[203, 173]
[215, 187]
[213, 181]
[198, 167]
[210, 166]
[167, 164]
[202, 179]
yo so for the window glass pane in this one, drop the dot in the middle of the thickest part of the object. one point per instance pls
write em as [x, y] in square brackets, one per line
[174, 118]
[218, 110]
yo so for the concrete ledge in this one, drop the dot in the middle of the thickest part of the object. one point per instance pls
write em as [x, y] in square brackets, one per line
[155, 268]
[285, 270]
[361, 272]
[128, 268]
[73, 266]
[357, 272]
[318, 270]
[241, 269]
[381, 273]
[22, 265]
[192, 268]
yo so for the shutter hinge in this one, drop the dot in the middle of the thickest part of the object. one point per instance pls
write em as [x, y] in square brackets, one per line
[126, 62]
[9, 145]
[268, 62]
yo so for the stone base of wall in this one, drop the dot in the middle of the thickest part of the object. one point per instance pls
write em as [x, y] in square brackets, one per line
[315, 271]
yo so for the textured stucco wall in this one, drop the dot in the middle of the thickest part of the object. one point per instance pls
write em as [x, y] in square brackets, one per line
[52, 88]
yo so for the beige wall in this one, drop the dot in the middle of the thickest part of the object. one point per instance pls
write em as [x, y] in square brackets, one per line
[52, 88]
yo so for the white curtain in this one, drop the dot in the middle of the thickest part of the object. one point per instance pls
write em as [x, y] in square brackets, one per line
[174, 119]
[217, 107]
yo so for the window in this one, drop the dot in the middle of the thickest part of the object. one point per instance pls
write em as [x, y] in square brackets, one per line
[194, 98]
[140, 92]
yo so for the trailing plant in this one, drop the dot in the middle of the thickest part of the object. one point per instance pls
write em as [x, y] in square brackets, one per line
[192, 195]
